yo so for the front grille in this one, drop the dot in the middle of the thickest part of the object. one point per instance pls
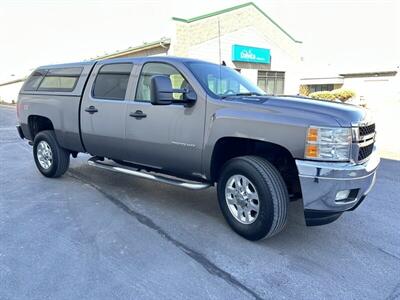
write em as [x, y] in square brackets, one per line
[365, 152]
[366, 130]
[366, 140]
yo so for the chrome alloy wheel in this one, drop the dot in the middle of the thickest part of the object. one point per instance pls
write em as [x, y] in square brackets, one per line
[242, 199]
[44, 155]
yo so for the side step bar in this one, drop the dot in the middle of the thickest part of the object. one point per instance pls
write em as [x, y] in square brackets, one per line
[95, 162]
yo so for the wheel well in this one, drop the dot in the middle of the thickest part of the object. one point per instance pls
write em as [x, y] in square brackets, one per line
[38, 123]
[230, 147]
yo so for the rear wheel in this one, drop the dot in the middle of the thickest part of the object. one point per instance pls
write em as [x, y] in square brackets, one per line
[253, 197]
[50, 158]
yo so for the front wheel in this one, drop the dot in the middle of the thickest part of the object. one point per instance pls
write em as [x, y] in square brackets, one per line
[253, 197]
[50, 158]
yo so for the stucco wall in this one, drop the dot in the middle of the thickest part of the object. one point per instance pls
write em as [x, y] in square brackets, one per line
[382, 96]
[280, 60]
[245, 26]
[373, 88]
[189, 34]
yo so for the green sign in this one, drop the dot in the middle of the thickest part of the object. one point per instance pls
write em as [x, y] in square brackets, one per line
[251, 54]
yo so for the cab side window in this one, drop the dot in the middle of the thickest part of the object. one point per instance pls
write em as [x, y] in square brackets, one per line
[60, 80]
[53, 80]
[112, 81]
[151, 69]
[34, 80]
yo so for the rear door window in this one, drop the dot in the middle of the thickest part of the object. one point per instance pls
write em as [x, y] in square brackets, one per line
[112, 81]
[60, 80]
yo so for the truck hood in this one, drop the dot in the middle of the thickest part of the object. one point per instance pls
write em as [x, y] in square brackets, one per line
[344, 114]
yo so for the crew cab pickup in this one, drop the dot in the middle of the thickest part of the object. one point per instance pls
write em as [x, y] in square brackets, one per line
[196, 124]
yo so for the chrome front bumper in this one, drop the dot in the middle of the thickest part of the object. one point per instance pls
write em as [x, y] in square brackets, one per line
[321, 181]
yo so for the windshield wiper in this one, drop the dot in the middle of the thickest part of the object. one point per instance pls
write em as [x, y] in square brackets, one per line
[242, 94]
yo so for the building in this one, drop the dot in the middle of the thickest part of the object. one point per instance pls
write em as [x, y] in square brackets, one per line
[244, 37]
[9, 90]
[372, 87]
[247, 39]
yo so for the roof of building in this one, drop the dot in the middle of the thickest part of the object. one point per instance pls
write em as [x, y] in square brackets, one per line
[145, 46]
[222, 11]
[369, 74]
[167, 41]
[12, 81]
[336, 73]
[139, 59]
[131, 50]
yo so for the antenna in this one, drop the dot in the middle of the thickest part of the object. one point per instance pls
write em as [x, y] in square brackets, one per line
[220, 58]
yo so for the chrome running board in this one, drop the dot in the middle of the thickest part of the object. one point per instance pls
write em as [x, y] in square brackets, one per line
[192, 185]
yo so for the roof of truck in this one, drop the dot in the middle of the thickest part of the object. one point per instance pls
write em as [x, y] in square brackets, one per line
[68, 65]
[153, 58]
[139, 60]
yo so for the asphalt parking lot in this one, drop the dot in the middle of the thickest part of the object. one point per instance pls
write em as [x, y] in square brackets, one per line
[93, 234]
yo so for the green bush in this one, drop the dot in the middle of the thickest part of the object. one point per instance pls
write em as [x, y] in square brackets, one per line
[339, 94]
[325, 95]
[343, 94]
[304, 90]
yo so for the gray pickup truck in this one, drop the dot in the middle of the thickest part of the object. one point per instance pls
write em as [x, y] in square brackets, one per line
[196, 124]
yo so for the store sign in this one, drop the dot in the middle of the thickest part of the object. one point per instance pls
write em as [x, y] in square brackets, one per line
[251, 54]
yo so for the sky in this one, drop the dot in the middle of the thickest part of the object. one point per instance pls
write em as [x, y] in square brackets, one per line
[352, 35]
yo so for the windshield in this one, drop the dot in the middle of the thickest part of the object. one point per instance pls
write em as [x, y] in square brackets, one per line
[222, 82]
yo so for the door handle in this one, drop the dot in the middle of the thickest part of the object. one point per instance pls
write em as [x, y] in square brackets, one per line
[91, 109]
[138, 114]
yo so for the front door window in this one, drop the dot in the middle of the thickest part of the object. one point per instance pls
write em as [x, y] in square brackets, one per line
[151, 69]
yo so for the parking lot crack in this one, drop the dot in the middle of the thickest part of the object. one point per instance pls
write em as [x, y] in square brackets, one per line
[388, 253]
[208, 265]
[395, 294]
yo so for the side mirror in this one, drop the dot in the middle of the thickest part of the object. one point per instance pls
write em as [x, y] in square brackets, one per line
[161, 90]
[189, 96]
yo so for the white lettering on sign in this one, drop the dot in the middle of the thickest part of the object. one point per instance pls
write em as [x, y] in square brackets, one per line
[247, 54]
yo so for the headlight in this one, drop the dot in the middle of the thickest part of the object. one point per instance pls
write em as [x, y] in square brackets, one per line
[325, 143]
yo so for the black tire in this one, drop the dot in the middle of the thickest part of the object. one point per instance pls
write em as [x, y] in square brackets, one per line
[60, 156]
[272, 194]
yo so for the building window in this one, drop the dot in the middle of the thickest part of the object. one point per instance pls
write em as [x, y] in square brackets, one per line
[320, 87]
[271, 82]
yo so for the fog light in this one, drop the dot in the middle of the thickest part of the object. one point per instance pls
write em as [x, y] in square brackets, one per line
[342, 195]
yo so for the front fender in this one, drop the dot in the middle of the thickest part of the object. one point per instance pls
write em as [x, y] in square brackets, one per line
[255, 125]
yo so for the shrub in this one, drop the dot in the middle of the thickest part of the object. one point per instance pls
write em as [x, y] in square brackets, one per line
[339, 94]
[325, 95]
[343, 94]
[304, 90]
